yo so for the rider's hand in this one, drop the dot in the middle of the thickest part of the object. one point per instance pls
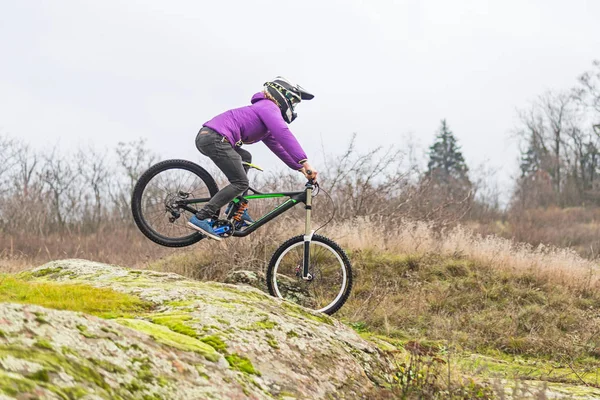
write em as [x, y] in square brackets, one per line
[307, 167]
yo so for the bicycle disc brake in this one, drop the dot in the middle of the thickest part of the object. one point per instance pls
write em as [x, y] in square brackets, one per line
[299, 269]
[172, 204]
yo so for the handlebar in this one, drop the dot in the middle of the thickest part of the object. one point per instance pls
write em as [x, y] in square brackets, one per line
[311, 181]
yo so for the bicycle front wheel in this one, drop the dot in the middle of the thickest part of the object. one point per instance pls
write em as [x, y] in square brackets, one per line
[330, 280]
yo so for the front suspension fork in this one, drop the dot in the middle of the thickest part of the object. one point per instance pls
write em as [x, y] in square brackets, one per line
[308, 234]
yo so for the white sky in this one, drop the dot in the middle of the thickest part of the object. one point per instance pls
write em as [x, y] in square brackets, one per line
[98, 72]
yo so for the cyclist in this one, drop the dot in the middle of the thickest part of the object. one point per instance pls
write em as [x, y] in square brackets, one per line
[265, 120]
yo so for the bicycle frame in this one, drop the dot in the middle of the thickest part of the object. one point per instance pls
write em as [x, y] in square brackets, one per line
[294, 198]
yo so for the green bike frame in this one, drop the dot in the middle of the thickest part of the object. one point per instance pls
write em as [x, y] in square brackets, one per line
[294, 198]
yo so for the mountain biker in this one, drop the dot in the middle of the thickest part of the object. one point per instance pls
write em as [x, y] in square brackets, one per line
[265, 120]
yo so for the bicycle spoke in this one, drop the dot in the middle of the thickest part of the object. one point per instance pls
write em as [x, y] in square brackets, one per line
[327, 281]
[161, 192]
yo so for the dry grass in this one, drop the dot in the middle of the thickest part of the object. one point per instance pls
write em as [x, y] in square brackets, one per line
[560, 265]
[480, 293]
[124, 244]
[411, 281]
[577, 228]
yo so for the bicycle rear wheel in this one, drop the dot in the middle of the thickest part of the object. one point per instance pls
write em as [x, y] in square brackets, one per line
[154, 203]
[329, 267]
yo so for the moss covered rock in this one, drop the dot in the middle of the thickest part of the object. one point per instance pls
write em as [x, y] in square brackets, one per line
[196, 340]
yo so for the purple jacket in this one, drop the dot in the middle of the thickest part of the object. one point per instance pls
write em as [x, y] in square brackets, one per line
[260, 121]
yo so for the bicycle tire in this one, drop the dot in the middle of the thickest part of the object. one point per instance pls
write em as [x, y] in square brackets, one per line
[136, 201]
[292, 242]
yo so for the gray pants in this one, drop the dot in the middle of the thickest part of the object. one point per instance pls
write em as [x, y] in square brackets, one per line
[229, 160]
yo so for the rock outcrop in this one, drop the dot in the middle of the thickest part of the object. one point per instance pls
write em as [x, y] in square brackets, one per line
[195, 340]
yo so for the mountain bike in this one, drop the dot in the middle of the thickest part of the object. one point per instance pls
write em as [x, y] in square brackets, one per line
[310, 270]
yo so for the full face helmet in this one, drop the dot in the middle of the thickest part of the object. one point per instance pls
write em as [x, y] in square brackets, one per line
[287, 96]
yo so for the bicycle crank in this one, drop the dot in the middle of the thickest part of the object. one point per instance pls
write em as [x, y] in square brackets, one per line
[223, 228]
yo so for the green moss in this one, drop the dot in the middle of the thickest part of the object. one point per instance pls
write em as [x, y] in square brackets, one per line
[286, 395]
[133, 386]
[66, 350]
[166, 336]
[202, 372]
[182, 303]
[44, 344]
[263, 324]
[242, 364]
[301, 313]
[247, 294]
[102, 302]
[110, 330]
[39, 317]
[162, 382]
[107, 366]
[41, 375]
[74, 392]
[246, 391]
[12, 385]
[505, 366]
[142, 360]
[135, 346]
[224, 303]
[215, 342]
[45, 271]
[271, 341]
[175, 322]
[145, 376]
[79, 369]
[84, 331]
[3, 334]
[292, 334]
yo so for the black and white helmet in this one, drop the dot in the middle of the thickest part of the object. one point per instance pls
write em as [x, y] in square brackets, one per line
[287, 95]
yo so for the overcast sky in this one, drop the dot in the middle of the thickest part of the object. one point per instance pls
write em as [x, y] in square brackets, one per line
[98, 72]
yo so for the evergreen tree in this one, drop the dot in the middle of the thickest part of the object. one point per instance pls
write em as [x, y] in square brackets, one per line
[447, 165]
[531, 159]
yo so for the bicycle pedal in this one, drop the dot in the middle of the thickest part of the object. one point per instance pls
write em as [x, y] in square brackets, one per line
[223, 228]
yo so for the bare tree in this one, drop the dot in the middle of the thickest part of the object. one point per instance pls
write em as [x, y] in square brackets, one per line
[556, 107]
[26, 163]
[133, 159]
[554, 142]
[588, 91]
[23, 207]
[363, 181]
[7, 153]
[60, 177]
[94, 170]
[7, 161]
[486, 193]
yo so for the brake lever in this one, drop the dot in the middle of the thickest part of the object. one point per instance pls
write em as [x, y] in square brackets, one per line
[311, 181]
